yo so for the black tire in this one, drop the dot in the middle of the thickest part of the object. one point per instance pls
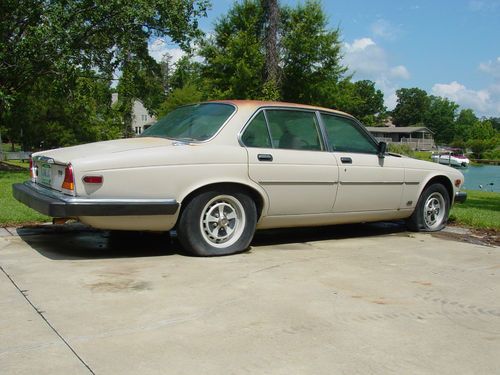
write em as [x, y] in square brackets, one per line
[202, 229]
[432, 210]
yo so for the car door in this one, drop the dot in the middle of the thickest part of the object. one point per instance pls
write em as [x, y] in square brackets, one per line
[288, 158]
[367, 182]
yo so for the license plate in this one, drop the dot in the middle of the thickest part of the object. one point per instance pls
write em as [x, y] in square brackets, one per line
[45, 174]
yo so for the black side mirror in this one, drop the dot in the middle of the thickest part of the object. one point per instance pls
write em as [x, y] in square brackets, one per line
[382, 148]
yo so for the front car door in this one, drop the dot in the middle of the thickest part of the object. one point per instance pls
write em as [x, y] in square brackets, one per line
[288, 158]
[367, 182]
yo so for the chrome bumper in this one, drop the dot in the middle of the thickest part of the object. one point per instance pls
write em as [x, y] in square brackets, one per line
[460, 197]
[56, 204]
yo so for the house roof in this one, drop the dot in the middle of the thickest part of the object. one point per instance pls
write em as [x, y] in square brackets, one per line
[401, 130]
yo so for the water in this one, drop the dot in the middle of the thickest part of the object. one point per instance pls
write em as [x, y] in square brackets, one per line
[482, 175]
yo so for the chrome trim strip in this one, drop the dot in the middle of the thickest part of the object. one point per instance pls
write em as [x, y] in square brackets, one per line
[371, 183]
[298, 182]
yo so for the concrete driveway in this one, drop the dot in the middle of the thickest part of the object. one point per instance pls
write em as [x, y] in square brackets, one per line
[366, 299]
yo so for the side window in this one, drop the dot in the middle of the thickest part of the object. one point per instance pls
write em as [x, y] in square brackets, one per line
[345, 135]
[256, 134]
[296, 130]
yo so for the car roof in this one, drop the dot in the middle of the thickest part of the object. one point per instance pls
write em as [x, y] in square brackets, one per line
[262, 103]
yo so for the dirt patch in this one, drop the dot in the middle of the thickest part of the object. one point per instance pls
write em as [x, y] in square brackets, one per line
[485, 237]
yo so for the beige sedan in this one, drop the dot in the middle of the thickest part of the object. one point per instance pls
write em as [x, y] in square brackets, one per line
[217, 171]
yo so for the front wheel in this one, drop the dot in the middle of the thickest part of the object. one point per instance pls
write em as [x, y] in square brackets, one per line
[217, 223]
[432, 211]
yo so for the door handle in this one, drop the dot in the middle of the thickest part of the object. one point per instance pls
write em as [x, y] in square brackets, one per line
[265, 157]
[346, 160]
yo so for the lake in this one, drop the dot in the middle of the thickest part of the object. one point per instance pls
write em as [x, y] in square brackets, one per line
[483, 175]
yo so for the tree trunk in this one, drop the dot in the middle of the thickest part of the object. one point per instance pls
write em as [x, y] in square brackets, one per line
[271, 40]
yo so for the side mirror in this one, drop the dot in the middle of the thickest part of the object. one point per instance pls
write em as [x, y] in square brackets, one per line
[382, 148]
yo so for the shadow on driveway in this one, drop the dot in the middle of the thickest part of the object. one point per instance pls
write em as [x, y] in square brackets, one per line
[75, 241]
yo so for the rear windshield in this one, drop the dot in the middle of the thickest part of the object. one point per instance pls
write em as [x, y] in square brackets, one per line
[197, 122]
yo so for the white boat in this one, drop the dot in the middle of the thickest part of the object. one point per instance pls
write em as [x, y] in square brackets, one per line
[454, 158]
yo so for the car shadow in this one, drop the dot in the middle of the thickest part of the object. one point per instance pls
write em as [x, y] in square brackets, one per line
[75, 241]
[333, 232]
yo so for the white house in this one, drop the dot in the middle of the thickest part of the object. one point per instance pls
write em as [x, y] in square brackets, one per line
[141, 119]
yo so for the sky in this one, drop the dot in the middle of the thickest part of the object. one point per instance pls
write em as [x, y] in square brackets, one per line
[450, 48]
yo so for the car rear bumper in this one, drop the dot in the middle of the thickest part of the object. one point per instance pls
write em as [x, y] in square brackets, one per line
[56, 204]
[460, 197]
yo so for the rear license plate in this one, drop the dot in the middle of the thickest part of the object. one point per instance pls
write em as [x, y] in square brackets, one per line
[45, 174]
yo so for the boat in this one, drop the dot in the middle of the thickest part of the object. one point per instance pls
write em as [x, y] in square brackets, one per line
[453, 157]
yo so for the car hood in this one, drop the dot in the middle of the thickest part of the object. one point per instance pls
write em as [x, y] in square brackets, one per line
[96, 149]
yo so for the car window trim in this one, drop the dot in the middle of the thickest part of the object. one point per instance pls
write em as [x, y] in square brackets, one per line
[319, 128]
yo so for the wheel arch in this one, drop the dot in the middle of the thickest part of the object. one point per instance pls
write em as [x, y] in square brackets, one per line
[257, 196]
[443, 180]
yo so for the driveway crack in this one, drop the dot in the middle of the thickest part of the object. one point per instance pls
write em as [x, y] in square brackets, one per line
[40, 313]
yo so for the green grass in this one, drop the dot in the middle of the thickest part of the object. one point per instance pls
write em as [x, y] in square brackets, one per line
[13, 212]
[422, 155]
[19, 163]
[481, 210]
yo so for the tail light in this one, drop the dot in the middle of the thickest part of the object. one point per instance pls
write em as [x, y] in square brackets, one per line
[69, 178]
[92, 179]
[32, 170]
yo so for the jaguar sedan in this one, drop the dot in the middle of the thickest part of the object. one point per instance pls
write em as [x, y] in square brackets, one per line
[217, 171]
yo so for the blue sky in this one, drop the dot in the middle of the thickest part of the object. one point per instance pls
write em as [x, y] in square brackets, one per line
[449, 48]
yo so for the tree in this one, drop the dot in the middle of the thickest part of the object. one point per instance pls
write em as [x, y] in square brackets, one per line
[272, 79]
[411, 107]
[362, 100]
[464, 124]
[62, 40]
[440, 118]
[234, 55]
[311, 55]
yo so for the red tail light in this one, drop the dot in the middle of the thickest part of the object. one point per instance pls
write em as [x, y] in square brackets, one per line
[92, 179]
[69, 179]
[32, 171]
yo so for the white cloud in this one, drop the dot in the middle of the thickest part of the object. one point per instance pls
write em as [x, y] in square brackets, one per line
[367, 60]
[485, 102]
[384, 29]
[400, 71]
[491, 67]
[160, 47]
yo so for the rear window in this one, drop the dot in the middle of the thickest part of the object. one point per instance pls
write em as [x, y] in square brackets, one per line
[197, 122]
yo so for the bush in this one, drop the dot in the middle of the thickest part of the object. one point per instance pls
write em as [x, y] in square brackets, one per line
[400, 149]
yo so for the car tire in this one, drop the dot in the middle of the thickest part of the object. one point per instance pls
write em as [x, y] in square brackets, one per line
[217, 223]
[432, 210]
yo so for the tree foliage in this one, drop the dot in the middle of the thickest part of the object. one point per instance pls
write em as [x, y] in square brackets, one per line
[411, 107]
[55, 43]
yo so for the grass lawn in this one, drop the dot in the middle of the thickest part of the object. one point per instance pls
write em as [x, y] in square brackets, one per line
[13, 212]
[481, 210]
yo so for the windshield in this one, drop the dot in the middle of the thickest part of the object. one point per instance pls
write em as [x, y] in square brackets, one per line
[197, 122]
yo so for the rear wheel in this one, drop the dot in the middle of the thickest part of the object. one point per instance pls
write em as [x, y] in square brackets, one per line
[432, 211]
[217, 223]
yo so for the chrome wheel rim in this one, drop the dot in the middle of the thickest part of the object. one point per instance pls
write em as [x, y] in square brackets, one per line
[222, 221]
[434, 210]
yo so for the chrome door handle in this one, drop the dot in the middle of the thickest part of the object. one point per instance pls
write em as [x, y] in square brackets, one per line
[346, 160]
[265, 157]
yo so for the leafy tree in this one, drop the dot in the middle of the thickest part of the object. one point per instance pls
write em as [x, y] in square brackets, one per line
[309, 61]
[311, 55]
[363, 100]
[464, 124]
[234, 54]
[412, 106]
[187, 94]
[440, 118]
[62, 40]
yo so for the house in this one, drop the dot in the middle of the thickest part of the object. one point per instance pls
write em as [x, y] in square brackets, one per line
[141, 119]
[417, 137]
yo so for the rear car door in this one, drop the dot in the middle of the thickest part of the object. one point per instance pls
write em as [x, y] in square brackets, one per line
[288, 158]
[367, 182]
